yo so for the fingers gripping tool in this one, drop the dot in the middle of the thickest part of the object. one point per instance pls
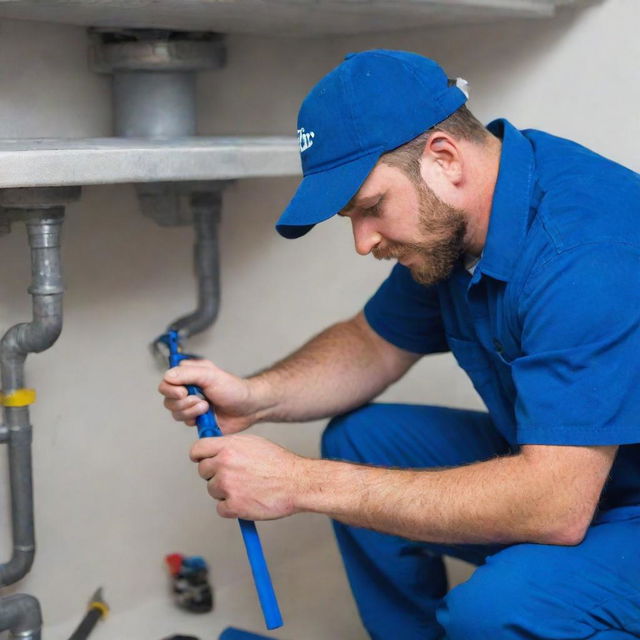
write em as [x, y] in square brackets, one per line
[208, 427]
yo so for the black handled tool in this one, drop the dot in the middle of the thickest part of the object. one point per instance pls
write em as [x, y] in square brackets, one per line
[96, 610]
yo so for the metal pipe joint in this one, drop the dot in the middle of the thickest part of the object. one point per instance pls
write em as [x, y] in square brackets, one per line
[21, 614]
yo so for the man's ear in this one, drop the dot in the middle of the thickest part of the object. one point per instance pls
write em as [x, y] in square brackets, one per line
[441, 160]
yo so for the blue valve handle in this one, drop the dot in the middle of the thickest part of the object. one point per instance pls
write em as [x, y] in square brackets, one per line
[208, 427]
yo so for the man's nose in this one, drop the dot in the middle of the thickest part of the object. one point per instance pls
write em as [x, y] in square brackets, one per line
[365, 237]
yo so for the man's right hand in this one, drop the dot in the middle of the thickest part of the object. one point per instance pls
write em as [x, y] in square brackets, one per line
[229, 395]
[344, 367]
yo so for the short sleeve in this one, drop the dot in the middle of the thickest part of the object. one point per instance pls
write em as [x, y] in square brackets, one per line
[407, 314]
[578, 378]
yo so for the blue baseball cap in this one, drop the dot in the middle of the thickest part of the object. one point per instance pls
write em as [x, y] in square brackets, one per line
[375, 101]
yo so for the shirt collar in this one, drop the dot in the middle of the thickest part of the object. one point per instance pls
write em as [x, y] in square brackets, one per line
[512, 200]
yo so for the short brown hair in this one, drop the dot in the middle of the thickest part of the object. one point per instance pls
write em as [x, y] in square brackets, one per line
[460, 124]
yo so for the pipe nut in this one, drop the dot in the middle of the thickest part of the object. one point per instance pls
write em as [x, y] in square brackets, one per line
[38, 197]
[155, 50]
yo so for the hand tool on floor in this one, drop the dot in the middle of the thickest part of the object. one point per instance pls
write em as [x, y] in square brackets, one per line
[190, 582]
[208, 427]
[96, 610]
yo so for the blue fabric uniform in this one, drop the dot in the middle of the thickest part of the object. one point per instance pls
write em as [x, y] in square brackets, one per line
[548, 330]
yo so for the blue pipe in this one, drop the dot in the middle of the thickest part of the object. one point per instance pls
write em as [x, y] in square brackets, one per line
[207, 428]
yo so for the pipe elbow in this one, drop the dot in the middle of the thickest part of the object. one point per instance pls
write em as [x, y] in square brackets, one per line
[201, 319]
[18, 567]
[21, 614]
[41, 334]
[30, 337]
[10, 345]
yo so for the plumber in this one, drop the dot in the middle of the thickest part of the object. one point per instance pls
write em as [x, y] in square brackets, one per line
[517, 251]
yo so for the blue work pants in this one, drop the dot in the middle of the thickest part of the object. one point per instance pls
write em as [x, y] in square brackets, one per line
[521, 591]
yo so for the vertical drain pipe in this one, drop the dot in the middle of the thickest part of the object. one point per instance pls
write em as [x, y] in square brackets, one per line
[206, 217]
[43, 213]
[154, 95]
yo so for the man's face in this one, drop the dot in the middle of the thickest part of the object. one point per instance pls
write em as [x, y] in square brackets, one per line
[396, 216]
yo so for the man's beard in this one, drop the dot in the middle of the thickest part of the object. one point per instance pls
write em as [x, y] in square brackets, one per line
[443, 228]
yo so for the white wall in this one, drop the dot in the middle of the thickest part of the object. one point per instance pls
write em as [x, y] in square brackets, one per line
[114, 488]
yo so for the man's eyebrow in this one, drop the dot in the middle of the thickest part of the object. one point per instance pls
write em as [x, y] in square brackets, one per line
[350, 206]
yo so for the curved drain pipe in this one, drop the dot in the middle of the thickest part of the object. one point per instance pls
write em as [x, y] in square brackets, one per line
[206, 218]
[43, 212]
[17, 343]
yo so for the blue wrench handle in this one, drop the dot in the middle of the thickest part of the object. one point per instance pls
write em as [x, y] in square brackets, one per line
[261, 577]
[207, 428]
[206, 423]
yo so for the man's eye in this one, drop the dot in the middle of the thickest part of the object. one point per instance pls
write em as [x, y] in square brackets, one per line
[374, 210]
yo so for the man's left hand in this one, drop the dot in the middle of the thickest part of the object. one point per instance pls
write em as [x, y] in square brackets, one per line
[251, 477]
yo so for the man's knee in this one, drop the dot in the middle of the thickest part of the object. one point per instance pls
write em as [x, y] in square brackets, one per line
[517, 594]
[464, 616]
[405, 435]
[342, 437]
[392, 435]
[486, 607]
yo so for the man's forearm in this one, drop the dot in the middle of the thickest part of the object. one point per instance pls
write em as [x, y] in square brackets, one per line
[464, 505]
[504, 500]
[342, 368]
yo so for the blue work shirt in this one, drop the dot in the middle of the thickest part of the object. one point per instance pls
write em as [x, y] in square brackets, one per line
[548, 325]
